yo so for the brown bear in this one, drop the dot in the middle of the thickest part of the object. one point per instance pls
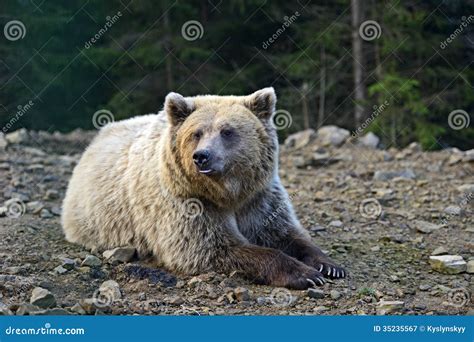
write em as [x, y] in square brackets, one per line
[196, 186]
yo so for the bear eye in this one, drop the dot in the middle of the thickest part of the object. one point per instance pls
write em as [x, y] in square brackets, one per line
[227, 132]
[197, 134]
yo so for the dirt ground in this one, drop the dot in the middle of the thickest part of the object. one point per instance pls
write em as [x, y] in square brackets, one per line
[367, 220]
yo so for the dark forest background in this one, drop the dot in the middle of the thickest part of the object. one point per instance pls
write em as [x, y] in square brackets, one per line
[324, 72]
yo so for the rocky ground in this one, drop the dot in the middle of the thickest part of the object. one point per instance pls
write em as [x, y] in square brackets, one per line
[400, 221]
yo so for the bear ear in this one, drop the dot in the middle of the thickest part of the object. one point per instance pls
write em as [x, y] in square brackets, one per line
[177, 108]
[262, 103]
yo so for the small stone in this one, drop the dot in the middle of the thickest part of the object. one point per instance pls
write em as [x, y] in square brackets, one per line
[3, 141]
[470, 266]
[424, 226]
[56, 210]
[4, 311]
[110, 289]
[34, 207]
[448, 264]
[389, 175]
[468, 156]
[91, 261]
[176, 300]
[424, 287]
[45, 213]
[388, 307]
[453, 210]
[466, 189]
[42, 298]
[26, 309]
[17, 137]
[335, 294]
[332, 135]
[315, 293]
[60, 270]
[369, 140]
[68, 263]
[78, 309]
[439, 251]
[51, 194]
[336, 223]
[300, 139]
[120, 254]
[242, 294]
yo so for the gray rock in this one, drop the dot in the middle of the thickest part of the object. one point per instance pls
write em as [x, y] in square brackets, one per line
[4, 311]
[119, 254]
[34, 151]
[45, 213]
[439, 251]
[77, 308]
[389, 175]
[91, 261]
[18, 137]
[68, 263]
[388, 307]
[110, 290]
[335, 294]
[3, 141]
[332, 135]
[466, 189]
[300, 139]
[42, 298]
[51, 194]
[369, 140]
[470, 266]
[315, 293]
[468, 156]
[453, 210]
[34, 207]
[26, 309]
[60, 270]
[448, 264]
[242, 294]
[424, 226]
[336, 223]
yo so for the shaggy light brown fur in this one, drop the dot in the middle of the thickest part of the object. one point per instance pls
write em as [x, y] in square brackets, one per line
[137, 184]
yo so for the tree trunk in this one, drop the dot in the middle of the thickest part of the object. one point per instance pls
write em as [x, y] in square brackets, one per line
[304, 100]
[358, 61]
[322, 87]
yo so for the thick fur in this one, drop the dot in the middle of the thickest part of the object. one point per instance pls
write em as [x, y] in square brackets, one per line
[136, 185]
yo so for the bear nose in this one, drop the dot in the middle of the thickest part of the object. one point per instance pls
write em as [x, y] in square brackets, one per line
[201, 158]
